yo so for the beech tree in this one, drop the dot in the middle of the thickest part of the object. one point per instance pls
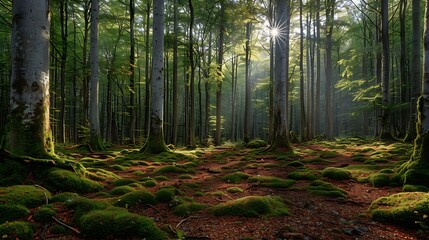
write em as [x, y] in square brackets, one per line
[29, 131]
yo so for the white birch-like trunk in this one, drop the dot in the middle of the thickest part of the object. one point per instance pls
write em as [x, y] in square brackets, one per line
[29, 130]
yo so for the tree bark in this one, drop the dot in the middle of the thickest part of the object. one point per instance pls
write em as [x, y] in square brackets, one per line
[218, 131]
[329, 115]
[131, 107]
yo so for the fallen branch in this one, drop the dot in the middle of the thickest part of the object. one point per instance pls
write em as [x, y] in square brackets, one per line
[184, 220]
[65, 225]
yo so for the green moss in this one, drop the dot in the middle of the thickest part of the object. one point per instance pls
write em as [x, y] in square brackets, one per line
[234, 190]
[161, 178]
[165, 194]
[215, 170]
[185, 176]
[295, 164]
[82, 205]
[217, 194]
[236, 177]
[12, 172]
[273, 182]
[27, 195]
[336, 173]
[414, 188]
[186, 209]
[256, 143]
[17, 230]
[101, 224]
[139, 173]
[379, 179]
[199, 194]
[121, 190]
[123, 182]
[303, 174]
[119, 167]
[170, 169]
[150, 183]
[252, 206]
[12, 212]
[62, 197]
[132, 199]
[404, 209]
[322, 188]
[44, 214]
[64, 180]
[325, 155]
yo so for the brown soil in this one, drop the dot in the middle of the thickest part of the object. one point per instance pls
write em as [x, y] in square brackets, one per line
[312, 216]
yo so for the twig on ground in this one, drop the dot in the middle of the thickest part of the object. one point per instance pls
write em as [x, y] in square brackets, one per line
[65, 225]
[184, 220]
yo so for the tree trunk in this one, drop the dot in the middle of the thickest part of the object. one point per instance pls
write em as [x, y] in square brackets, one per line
[192, 144]
[248, 91]
[318, 73]
[131, 107]
[147, 75]
[155, 142]
[28, 131]
[175, 119]
[218, 132]
[303, 122]
[64, 33]
[329, 115]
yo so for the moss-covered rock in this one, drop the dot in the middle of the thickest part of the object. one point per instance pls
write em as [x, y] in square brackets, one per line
[26, 195]
[44, 214]
[12, 212]
[379, 179]
[65, 180]
[123, 182]
[121, 190]
[252, 206]
[82, 205]
[322, 188]
[273, 182]
[414, 188]
[236, 177]
[62, 197]
[234, 190]
[303, 174]
[295, 164]
[165, 194]
[101, 224]
[17, 230]
[405, 209]
[171, 169]
[150, 183]
[336, 173]
[132, 199]
[186, 209]
[256, 143]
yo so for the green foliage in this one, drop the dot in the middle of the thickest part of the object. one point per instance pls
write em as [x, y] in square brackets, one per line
[256, 143]
[252, 206]
[132, 199]
[64, 180]
[236, 177]
[379, 179]
[27, 195]
[273, 182]
[165, 194]
[186, 209]
[44, 214]
[405, 209]
[121, 190]
[336, 173]
[322, 188]
[303, 174]
[12, 212]
[102, 224]
[17, 230]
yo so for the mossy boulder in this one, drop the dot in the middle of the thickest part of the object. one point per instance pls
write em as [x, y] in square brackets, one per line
[234, 190]
[322, 188]
[17, 230]
[252, 206]
[12, 212]
[336, 173]
[405, 209]
[256, 143]
[236, 177]
[123, 182]
[132, 199]
[150, 183]
[303, 174]
[295, 164]
[121, 190]
[12, 172]
[62, 197]
[65, 180]
[379, 179]
[186, 209]
[272, 182]
[82, 205]
[102, 224]
[414, 188]
[44, 214]
[165, 195]
[171, 169]
[27, 195]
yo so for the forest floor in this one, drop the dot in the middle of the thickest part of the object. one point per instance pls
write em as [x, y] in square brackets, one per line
[208, 177]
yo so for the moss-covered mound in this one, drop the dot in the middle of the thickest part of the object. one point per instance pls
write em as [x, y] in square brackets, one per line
[12, 212]
[171, 169]
[131, 199]
[121, 190]
[26, 195]
[273, 182]
[405, 209]
[322, 188]
[252, 206]
[62, 197]
[303, 174]
[82, 205]
[336, 173]
[414, 188]
[236, 177]
[44, 214]
[116, 223]
[12, 172]
[165, 194]
[187, 208]
[64, 180]
[17, 230]
[256, 143]
[379, 179]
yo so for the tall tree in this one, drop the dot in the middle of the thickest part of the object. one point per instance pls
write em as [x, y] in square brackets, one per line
[175, 119]
[248, 91]
[303, 122]
[155, 141]
[64, 33]
[29, 131]
[218, 131]
[280, 140]
[191, 133]
[95, 141]
[329, 114]
[132, 108]
[385, 70]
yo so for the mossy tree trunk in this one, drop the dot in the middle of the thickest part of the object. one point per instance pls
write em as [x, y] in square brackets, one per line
[416, 170]
[155, 141]
[28, 131]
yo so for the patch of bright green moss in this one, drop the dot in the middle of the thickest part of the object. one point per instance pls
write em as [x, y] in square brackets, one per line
[150, 183]
[161, 178]
[185, 176]
[64, 180]
[82, 205]
[27, 195]
[17, 230]
[414, 188]
[327, 154]
[186, 209]
[322, 188]
[170, 169]
[273, 182]
[12, 212]
[336, 173]
[236, 177]
[121, 190]
[132, 199]
[404, 209]
[256, 143]
[44, 214]
[101, 224]
[119, 167]
[252, 206]
[62, 197]
[123, 182]
[303, 174]
[217, 193]
[379, 179]
[139, 173]
[165, 194]
[234, 190]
